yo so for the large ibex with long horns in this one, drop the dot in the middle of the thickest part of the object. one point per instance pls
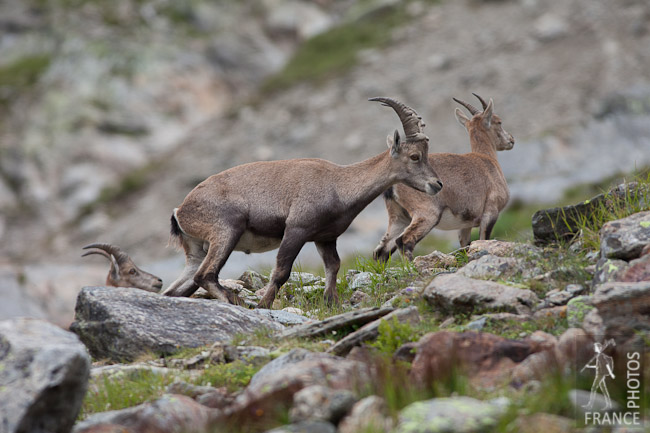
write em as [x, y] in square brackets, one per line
[123, 272]
[475, 189]
[261, 206]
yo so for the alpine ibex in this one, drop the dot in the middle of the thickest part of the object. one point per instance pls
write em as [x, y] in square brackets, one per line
[261, 206]
[475, 189]
[123, 272]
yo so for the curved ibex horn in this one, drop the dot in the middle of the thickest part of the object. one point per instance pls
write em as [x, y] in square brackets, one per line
[483, 103]
[469, 106]
[411, 121]
[113, 250]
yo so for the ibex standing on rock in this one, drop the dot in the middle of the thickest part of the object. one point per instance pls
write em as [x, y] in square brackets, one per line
[475, 189]
[261, 206]
[123, 272]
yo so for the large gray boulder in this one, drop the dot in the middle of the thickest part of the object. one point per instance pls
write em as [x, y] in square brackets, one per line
[625, 238]
[456, 293]
[121, 323]
[43, 377]
[623, 307]
[452, 414]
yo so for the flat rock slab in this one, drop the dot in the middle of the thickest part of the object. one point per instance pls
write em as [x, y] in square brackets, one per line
[44, 374]
[490, 266]
[280, 316]
[453, 414]
[168, 414]
[121, 323]
[456, 293]
[353, 318]
[370, 331]
[625, 238]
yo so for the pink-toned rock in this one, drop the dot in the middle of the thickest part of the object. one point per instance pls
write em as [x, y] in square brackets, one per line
[486, 358]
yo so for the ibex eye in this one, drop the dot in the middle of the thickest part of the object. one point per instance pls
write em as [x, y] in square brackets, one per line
[415, 157]
[132, 272]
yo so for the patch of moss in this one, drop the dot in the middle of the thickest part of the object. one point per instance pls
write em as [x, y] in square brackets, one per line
[21, 75]
[335, 51]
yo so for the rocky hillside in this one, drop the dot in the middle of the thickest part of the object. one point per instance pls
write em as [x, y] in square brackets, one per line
[493, 338]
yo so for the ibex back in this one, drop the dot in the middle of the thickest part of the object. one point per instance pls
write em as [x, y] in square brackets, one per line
[265, 205]
[475, 189]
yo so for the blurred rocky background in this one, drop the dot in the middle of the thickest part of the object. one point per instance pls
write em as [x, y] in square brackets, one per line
[112, 111]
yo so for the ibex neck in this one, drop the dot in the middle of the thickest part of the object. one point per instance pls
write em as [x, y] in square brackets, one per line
[481, 143]
[362, 182]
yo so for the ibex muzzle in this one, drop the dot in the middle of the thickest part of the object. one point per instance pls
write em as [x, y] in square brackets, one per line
[265, 205]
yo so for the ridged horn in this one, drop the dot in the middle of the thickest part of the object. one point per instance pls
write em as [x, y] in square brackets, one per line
[119, 255]
[467, 105]
[411, 121]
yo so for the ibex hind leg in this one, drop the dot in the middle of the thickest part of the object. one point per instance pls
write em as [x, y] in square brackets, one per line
[194, 256]
[207, 275]
[488, 220]
[465, 236]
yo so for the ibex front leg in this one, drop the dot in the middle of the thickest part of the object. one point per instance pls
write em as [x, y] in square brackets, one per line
[330, 256]
[291, 244]
[418, 229]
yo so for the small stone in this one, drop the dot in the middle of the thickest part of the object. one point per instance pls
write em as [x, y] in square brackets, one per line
[577, 309]
[370, 415]
[253, 281]
[449, 321]
[575, 289]
[434, 262]
[478, 324]
[361, 281]
[319, 403]
[358, 297]
[305, 279]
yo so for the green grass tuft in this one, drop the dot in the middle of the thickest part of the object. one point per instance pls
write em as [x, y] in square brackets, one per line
[123, 391]
[21, 75]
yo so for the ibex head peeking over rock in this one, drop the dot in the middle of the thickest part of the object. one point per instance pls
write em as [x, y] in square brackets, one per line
[123, 272]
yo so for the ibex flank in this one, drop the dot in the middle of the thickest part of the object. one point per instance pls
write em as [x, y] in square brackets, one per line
[475, 189]
[261, 206]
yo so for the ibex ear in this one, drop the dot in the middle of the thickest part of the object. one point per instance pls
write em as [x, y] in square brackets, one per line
[115, 269]
[462, 119]
[394, 144]
[487, 114]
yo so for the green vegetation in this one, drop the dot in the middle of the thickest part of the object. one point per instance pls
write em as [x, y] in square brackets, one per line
[21, 75]
[611, 208]
[392, 335]
[335, 51]
[234, 375]
[124, 390]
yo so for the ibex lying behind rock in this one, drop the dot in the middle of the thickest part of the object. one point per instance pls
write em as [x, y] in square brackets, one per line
[261, 206]
[123, 272]
[475, 189]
